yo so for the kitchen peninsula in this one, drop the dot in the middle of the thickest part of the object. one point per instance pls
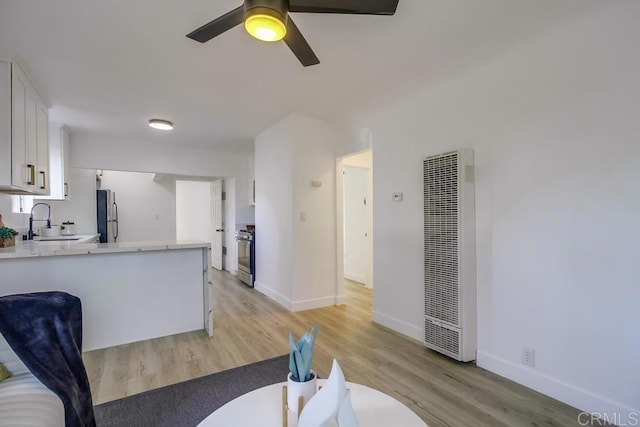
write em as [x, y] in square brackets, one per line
[130, 291]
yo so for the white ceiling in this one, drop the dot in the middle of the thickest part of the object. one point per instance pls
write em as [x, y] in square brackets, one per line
[106, 67]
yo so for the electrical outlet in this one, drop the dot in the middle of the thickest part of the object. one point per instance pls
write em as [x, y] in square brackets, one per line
[528, 356]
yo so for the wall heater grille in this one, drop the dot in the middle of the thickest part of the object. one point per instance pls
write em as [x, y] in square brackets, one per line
[447, 340]
[449, 254]
[441, 237]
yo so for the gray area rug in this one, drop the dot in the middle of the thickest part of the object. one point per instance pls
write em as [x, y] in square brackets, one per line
[188, 403]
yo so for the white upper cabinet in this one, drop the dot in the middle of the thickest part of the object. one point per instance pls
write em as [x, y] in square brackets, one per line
[42, 150]
[58, 163]
[252, 179]
[24, 134]
[66, 161]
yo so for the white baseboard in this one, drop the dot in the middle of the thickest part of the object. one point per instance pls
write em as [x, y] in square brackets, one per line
[270, 293]
[571, 395]
[360, 278]
[398, 325]
[341, 299]
[290, 305]
[310, 304]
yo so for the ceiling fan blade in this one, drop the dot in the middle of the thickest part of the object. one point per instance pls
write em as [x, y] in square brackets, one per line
[364, 7]
[218, 25]
[299, 46]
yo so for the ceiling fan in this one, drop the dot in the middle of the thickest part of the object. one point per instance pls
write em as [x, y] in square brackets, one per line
[269, 20]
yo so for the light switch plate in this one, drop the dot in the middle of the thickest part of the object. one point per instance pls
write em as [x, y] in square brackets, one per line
[397, 197]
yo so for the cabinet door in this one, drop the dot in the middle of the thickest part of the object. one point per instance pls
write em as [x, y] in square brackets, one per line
[57, 167]
[42, 149]
[31, 115]
[66, 150]
[24, 131]
[19, 170]
[252, 179]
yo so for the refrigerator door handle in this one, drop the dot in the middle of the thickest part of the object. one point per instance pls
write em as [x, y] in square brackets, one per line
[114, 221]
[114, 230]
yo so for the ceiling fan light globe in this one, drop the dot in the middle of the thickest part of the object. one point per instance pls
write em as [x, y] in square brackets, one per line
[265, 27]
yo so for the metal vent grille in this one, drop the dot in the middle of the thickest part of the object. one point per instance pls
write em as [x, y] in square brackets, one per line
[442, 338]
[441, 238]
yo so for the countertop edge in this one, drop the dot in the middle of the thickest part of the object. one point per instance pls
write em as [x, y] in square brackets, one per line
[32, 250]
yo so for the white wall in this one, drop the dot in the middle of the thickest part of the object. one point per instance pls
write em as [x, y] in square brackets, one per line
[363, 159]
[146, 208]
[16, 221]
[80, 207]
[554, 125]
[295, 222]
[314, 237]
[193, 211]
[103, 153]
[274, 212]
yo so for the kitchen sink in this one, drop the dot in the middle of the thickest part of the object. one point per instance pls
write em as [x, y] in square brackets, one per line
[77, 238]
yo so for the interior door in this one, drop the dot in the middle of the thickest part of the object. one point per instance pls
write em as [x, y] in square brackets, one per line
[357, 203]
[217, 224]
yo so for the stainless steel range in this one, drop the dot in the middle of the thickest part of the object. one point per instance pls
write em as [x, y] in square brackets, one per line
[246, 256]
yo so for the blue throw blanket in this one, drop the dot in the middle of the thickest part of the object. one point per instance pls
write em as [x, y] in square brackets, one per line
[45, 330]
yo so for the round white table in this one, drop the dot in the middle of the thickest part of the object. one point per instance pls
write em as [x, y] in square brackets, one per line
[263, 407]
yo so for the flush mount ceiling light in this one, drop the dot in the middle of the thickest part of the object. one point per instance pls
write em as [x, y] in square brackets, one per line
[265, 24]
[161, 124]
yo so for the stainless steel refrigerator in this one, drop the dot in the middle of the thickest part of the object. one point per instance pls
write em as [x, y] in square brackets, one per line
[107, 216]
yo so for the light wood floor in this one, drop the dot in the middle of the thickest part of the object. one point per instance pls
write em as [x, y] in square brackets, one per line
[249, 327]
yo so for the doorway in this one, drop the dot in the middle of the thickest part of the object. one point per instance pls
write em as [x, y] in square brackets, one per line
[356, 224]
[199, 215]
[355, 214]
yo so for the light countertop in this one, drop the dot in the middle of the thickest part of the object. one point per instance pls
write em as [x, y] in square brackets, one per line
[30, 249]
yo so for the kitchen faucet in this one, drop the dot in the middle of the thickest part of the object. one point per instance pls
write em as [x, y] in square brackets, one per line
[48, 220]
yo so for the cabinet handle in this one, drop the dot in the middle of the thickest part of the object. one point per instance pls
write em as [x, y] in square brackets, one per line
[31, 175]
[44, 180]
[66, 190]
